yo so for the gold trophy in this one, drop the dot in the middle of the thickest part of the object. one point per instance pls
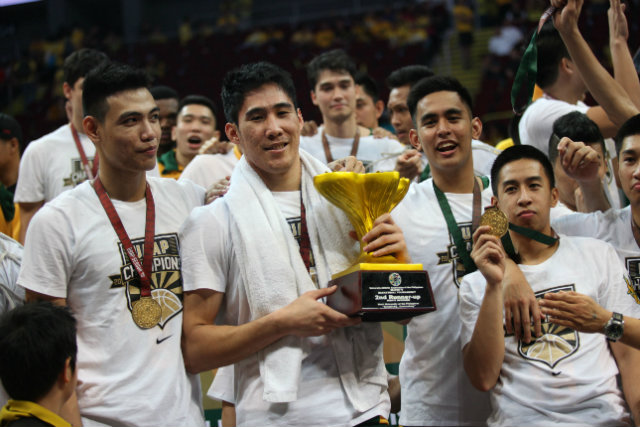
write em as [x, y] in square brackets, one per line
[375, 288]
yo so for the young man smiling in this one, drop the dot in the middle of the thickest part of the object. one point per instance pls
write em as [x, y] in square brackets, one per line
[438, 216]
[257, 263]
[109, 250]
[333, 90]
[528, 381]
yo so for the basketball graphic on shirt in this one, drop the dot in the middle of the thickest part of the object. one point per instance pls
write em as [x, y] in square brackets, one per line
[556, 343]
[169, 302]
[166, 280]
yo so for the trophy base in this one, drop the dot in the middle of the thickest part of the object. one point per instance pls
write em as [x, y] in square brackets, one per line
[382, 292]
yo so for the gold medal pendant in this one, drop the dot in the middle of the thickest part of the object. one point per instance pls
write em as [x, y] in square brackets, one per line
[146, 312]
[497, 220]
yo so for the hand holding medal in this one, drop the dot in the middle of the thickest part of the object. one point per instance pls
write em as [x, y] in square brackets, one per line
[496, 219]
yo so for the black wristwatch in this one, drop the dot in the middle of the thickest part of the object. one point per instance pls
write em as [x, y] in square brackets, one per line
[614, 327]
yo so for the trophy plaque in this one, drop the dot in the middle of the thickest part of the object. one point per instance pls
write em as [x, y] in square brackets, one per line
[374, 288]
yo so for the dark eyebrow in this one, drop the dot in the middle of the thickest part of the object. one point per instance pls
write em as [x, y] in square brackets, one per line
[128, 114]
[515, 182]
[629, 151]
[256, 110]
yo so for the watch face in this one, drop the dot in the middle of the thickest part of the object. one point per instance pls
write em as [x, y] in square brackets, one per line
[615, 331]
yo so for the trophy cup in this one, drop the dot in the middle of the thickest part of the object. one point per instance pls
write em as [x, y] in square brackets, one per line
[375, 288]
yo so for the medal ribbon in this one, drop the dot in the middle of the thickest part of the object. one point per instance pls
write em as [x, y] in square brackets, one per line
[452, 225]
[143, 268]
[528, 69]
[90, 172]
[507, 244]
[327, 150]
[305, 242]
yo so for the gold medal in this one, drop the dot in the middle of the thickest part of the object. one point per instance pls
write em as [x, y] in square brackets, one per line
[146, 312]
[497, 220]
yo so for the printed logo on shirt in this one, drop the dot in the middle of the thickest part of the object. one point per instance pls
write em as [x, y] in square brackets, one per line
[166, 280]
[556, 343]
[450, 255]
[633, 281]
[77, 173]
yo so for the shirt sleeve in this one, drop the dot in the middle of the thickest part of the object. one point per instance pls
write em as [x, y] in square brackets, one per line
[616, 292]
[30, 186]
[469, 302]
[48, 254]
[205, 248]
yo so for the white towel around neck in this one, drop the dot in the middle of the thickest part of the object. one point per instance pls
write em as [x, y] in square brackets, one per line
[274, 275]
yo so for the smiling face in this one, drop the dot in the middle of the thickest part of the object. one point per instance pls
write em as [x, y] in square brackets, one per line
[335, 96]
[268, 132]
[196, 124]
[127, 138]
[629, 168]
[525, 194]
[444, 131]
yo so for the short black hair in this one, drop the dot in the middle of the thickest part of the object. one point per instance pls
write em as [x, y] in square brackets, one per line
[35, 341]
[198, 100]
[108, 80]
[368, 85]
[578, 127]
[437, 84]
[408, 75]
[551, 50]
[335, 60]
[163, 92]
[80, 62]
[629, 128]
[517, 152]
[248, 77]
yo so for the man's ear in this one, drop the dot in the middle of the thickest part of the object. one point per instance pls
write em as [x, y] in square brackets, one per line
[231, 130]
[379, 105]
[67, 374]
[476, 128]
[415, 141]
[313, 97]
[300, 118]
[92, 128]
[173, 133]
[555, 195]
[494, 201]
[66, 90]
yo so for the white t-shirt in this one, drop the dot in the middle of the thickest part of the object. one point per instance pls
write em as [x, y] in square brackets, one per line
[483, 157]
[612, 226]
[206, 169]
[126, 375]
[52, 164]
[564, 377]
[377, 154]
[210, 262]
[536, 127]
[435, 388]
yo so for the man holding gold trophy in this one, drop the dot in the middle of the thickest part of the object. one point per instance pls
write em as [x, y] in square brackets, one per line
[257, 263]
